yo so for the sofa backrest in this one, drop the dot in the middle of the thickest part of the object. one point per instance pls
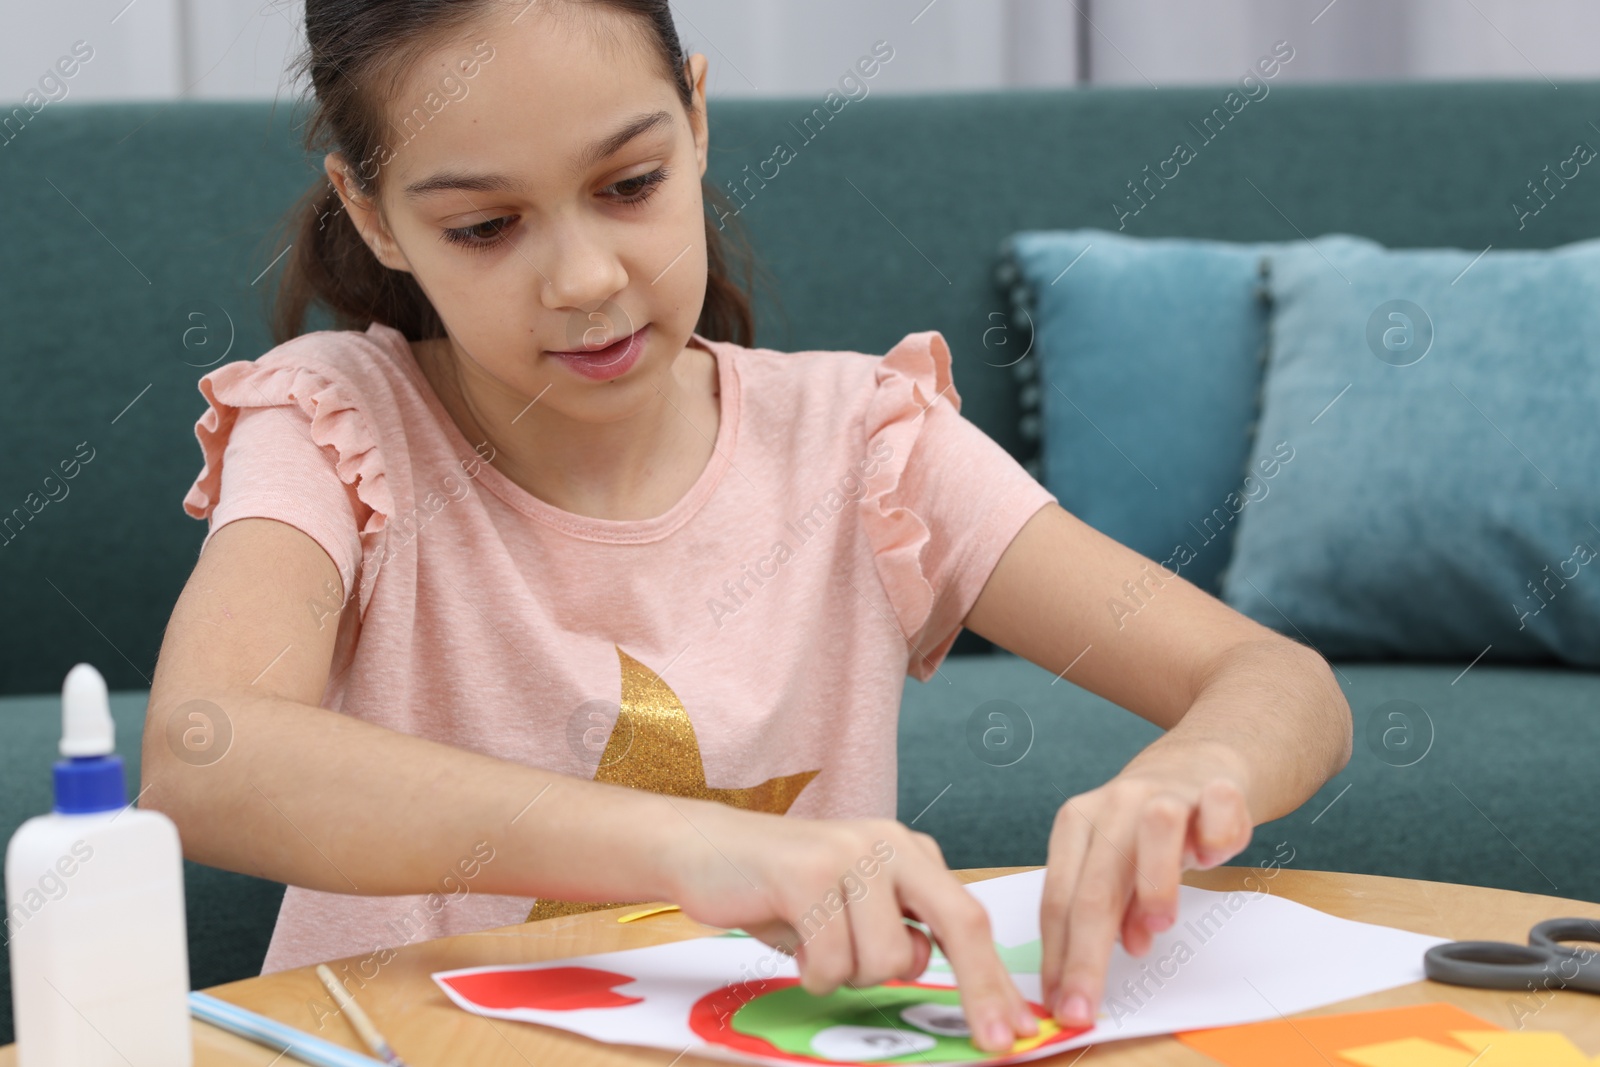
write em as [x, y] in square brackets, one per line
[137, 254]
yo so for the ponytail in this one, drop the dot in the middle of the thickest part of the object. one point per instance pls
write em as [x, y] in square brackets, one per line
[329, 264]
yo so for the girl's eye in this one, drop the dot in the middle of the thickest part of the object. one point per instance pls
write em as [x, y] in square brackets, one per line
[479, 235]
[490, 232]
[641, 187]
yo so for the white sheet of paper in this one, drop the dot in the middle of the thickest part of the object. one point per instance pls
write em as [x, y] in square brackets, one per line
[1231, 958]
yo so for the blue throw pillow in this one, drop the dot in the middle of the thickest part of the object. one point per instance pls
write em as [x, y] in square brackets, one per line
[1440, 407]
[1149, 355]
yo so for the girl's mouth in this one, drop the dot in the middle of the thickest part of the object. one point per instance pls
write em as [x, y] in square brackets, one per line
[604, 364]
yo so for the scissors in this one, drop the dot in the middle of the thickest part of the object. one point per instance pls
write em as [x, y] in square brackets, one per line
[1503, 965]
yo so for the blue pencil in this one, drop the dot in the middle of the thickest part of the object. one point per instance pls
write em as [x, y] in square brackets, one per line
[270, 1032]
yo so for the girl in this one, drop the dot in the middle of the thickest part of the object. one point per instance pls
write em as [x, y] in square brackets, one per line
[535, 585]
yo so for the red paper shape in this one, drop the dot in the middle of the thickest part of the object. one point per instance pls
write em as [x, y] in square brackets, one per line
[544, 989]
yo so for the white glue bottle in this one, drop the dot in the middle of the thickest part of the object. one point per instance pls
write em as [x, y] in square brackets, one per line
[94, 911]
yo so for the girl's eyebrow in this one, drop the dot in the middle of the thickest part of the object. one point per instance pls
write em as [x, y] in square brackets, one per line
[599, 150]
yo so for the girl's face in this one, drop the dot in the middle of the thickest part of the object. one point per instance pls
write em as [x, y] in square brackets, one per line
[511, 190]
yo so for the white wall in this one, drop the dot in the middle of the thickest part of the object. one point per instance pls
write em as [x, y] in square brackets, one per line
[213, 49]
[797, 48]
[1138, 42]
[135, 51]
[217, 49]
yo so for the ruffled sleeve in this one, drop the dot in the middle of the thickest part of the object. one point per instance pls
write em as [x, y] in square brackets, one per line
[340, 432]
[944, 501]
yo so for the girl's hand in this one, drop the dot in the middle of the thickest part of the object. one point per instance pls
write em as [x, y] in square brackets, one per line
[1116, 855]
[834, 894]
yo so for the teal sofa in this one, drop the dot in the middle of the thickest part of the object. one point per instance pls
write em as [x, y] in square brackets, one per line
[137, 254]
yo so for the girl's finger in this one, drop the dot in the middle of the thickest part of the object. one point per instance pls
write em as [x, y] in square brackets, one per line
[921, 953]
[1103, 893]
[1158, 866]
[881, 940]
[1222, 824]
[1069, 841]
[989, 997]
[827, 953]
[777, 933]
[1024, 1021]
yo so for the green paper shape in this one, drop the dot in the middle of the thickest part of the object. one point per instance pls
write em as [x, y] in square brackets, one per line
[789, 1018]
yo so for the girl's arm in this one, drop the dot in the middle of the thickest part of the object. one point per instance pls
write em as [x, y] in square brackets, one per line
[1255, 725]
[260, 779]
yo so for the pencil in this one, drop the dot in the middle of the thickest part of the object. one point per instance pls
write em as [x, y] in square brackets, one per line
[307, 1048]
[358, 1018]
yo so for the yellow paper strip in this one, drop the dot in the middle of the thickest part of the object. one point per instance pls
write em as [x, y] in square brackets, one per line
[1484, 1048]
[1048, 1028]
[1514, 1048]
[1409, 1052]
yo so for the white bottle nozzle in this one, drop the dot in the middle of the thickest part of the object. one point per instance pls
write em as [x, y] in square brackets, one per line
[86, 726]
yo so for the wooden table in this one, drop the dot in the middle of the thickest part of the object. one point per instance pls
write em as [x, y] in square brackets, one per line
[427, 1030]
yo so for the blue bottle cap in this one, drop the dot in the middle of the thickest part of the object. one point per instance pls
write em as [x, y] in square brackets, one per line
[90, 783]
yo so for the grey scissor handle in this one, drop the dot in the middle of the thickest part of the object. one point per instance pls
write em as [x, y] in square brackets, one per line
[1542, 963]
[1552, 932]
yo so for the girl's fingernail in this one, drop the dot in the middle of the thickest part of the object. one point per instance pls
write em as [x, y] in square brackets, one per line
[1158, 923]
[997, 1034]
[1074, 1010]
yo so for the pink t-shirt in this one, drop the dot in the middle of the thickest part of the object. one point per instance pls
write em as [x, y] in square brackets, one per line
[749, 645]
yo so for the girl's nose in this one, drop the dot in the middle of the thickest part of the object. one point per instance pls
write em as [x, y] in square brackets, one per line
[581, 269]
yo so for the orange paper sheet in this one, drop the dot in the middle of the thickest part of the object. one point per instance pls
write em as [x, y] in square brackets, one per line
[1317, 1042]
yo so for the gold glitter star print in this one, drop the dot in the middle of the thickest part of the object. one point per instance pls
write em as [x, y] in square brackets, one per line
[653, 746]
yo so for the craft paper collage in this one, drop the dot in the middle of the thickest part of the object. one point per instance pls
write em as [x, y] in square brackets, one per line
[1230, 958]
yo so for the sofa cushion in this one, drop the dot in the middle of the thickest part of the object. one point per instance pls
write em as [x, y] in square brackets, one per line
[1149, 354]
[1451, 778]
[1440, 408]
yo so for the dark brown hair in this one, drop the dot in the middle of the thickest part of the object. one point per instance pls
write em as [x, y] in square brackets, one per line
[356, 46]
